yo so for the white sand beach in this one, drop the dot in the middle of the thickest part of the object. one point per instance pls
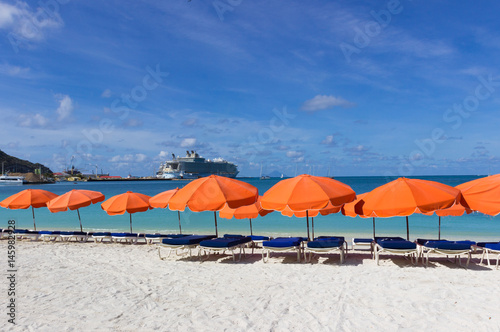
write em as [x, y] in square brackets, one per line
[118, 287]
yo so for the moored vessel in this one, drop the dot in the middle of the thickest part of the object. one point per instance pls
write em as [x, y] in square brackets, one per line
[194, 166]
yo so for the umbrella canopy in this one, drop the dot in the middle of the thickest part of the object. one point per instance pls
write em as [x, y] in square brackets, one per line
[348, 210]
[161, 201]
[304, 193]
[74, 200]
[213, 193]
[34, 198]
[245, 212]
[307, 192]
[403, 197]
[482, 195]
[130, 202]
[455, 211]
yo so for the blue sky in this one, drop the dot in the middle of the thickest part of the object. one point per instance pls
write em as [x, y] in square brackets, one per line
[355, 87]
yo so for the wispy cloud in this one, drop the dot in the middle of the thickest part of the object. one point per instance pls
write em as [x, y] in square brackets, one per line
[323, 102]
[28, 24]
[14, 71]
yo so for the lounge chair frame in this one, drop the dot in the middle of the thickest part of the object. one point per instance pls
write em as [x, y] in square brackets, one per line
[127, 239]
[266, 251]
[378, 249]
[209, 250]
[456, 253]
[342, 250]
[176, 248]
[486, 253]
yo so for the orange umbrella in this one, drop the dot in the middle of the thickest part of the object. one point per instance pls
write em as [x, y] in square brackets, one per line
[305, 193]
[245, 212]
[127, 202]
[74, 200]
[329, 209]
[455, 211]
[348, 210]
[161, 201]
[212, 193]
[29, 197]
[482, 194]
[403, 197]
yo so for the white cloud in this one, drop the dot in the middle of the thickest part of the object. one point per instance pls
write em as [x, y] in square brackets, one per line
[106, 93]
[65, 107]
[32, 121]
[294, 154]
[188, 142]
[27, 24]
[11, 70]
[328, 140]
[323, 102]
[128, 158]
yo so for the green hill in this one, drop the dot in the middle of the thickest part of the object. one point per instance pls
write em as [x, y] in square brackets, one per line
[16, 165]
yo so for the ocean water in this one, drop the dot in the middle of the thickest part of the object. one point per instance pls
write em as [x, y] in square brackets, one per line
[474, 227]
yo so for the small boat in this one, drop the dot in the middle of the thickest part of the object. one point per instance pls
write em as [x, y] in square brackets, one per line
[11, 180]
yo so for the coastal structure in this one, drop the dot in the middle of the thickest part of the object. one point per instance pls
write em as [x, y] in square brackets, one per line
[194, 166]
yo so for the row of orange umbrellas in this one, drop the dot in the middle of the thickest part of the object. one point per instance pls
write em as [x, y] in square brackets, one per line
[302, 196]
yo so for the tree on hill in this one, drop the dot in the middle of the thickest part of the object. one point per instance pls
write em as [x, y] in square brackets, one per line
[15, 165]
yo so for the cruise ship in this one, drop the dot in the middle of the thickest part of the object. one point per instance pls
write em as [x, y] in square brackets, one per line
[193, 166]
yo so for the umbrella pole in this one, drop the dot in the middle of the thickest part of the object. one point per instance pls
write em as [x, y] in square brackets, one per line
[216, 232]
[407, 230]
[312, 220]
[374, 228]
[251, 232]
[439, 234]
[81, 229]
[33, 211]
[307, 218]
[130, 214]
[179, 216]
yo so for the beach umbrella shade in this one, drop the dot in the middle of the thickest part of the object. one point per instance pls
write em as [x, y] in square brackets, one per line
[329, 209]
[161, 201]
[305, 192]
[34, 198]
[249, 212]
[348, 210]
[74, 200]
[213, 193]
[130, 202]
[403, 197]
[455, 211]
[482, 194]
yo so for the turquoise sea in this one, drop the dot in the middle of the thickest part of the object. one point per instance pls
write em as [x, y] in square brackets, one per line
[474, 227]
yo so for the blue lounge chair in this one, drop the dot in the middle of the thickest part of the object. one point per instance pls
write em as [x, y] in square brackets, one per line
[228, 242]
[362, 243]
[26, 234]
[186, 242]
[421, 249]
[489, 248]
[395, 245]
[282, 244]
[131, 238]
[326, 245]
[444, 247]
[156, 238]
[77, 236]
[101, 236]
[50, 235]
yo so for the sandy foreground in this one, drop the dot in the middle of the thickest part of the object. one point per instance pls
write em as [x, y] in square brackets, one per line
[119, 287]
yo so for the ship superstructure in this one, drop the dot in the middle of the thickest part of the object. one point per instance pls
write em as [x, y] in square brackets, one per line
[194, 166]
